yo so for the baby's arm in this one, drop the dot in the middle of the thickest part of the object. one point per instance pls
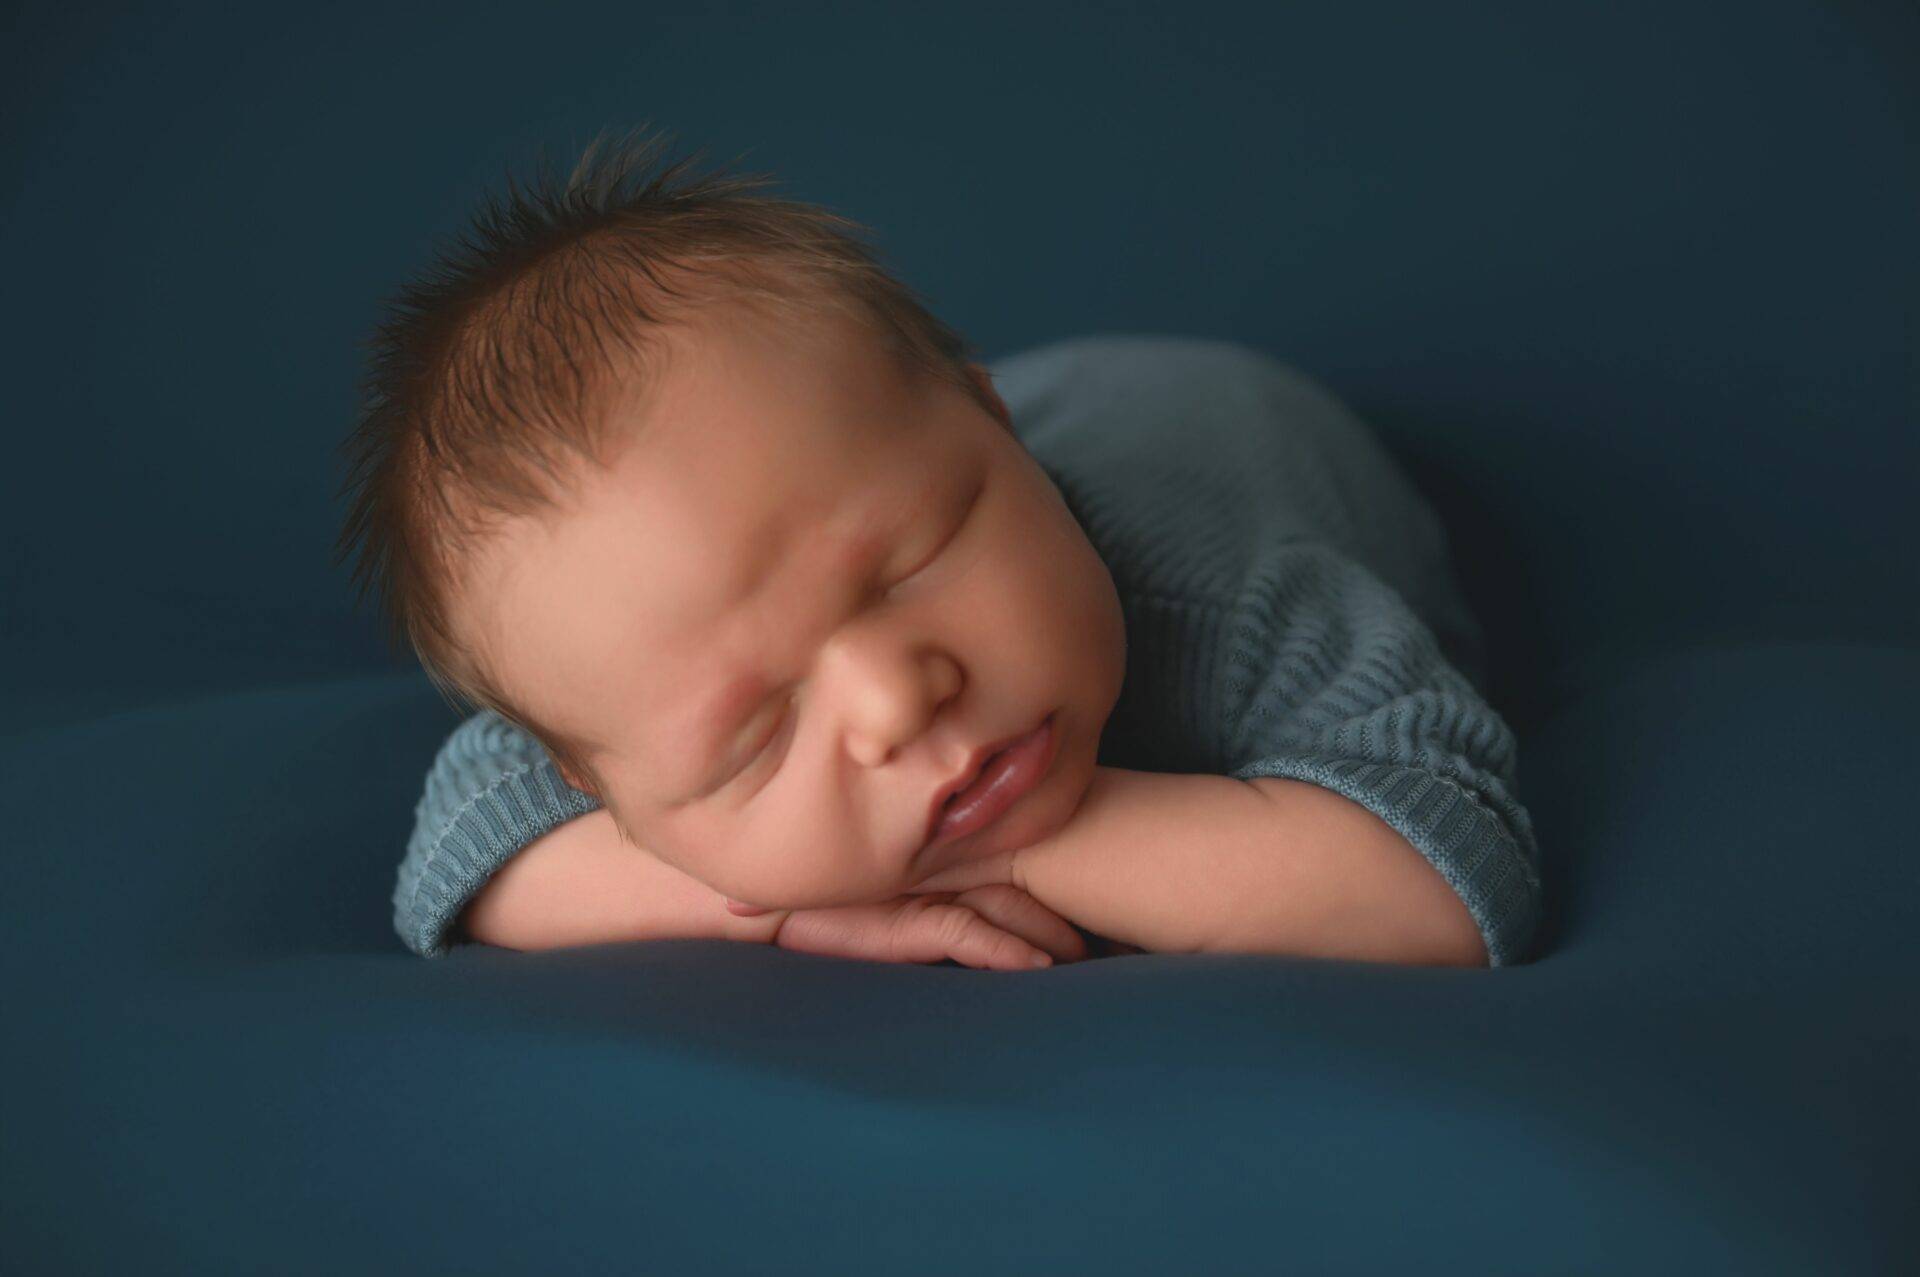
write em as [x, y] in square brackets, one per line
[581, 883]
[1199, 863]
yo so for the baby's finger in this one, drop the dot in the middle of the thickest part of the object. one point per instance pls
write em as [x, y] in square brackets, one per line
[955, 931]
[1011, 909]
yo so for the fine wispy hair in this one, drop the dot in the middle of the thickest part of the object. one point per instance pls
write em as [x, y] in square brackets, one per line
[492, 374]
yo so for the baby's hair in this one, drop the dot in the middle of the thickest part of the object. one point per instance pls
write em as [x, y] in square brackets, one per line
[493, 373]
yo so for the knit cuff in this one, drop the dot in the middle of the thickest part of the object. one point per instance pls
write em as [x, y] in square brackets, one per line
[1474, 850]
[442, 873]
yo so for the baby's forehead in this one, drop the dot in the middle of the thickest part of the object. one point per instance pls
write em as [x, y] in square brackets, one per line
[737, 460]
[690, 525]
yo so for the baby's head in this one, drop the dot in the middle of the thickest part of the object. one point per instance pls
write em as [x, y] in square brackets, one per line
[682, 483]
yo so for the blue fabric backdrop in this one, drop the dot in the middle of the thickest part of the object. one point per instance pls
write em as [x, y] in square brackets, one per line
[1630, 289]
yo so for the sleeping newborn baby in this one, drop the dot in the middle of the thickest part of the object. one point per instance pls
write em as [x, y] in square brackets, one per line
[790, 623]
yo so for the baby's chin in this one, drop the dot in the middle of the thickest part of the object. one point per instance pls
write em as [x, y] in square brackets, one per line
[990, 856]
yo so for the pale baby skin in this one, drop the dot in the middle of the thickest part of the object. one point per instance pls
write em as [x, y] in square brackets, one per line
[787, 613]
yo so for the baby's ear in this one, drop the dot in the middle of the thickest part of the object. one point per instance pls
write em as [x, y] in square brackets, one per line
[578, 782]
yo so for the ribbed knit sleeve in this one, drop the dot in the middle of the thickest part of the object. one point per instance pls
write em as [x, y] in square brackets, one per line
[492, 789]
[1324, 675]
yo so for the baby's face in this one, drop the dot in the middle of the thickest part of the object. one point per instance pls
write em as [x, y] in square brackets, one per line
[790, 612]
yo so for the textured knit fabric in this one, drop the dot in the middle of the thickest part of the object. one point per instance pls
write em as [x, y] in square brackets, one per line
[1290, 611]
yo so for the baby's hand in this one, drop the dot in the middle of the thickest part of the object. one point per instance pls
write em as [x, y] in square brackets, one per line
[997, 926]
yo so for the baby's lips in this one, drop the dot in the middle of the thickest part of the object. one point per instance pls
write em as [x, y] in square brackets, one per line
[739, 910]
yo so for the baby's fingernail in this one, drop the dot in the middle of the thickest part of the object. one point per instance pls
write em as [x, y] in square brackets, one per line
[1041, 960]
